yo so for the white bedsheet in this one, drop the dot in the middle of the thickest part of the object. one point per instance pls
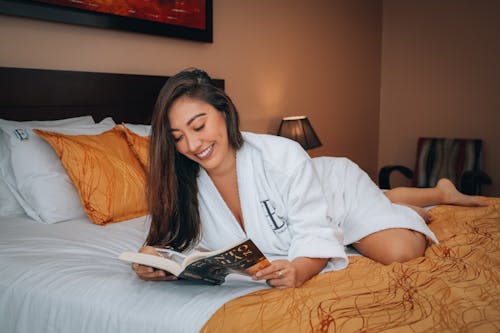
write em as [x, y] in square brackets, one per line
[66, 277]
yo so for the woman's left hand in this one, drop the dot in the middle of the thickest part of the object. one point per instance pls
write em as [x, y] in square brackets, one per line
[280, 274]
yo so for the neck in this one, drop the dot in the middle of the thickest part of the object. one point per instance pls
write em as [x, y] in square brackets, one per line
[228, 167]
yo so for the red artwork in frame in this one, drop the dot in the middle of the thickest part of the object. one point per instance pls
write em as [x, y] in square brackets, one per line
[190, 19]
[187, 13]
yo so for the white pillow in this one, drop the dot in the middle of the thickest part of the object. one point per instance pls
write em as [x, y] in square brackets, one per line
[9, 205]
[139, 129]
[39, 181]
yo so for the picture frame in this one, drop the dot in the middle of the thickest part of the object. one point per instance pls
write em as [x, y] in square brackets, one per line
[87, 17]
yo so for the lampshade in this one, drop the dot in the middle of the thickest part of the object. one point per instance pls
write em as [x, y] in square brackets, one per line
[299, 129]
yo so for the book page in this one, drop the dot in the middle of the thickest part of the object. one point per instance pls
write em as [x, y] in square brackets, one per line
[152, 261]
[173, 255]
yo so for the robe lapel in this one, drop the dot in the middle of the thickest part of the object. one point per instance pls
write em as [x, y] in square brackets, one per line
[217, 207]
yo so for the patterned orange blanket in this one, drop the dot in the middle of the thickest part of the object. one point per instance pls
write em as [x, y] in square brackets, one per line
[454, 288]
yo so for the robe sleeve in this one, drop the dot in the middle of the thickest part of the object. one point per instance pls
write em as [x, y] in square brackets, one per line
[313, 232]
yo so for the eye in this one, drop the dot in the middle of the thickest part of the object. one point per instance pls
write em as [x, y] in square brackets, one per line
[199, 128]
[177, 139]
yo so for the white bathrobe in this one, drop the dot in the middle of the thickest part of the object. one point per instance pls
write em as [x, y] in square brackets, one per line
[358, 206]
[295, 206]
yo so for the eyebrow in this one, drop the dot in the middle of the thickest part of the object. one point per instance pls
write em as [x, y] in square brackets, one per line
[191, 120]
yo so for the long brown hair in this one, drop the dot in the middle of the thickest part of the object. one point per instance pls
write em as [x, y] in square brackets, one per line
[172, 182]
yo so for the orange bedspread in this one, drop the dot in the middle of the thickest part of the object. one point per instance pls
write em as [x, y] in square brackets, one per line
[454, 288]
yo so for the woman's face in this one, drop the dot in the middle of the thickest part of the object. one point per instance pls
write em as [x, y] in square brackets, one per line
[200, 133]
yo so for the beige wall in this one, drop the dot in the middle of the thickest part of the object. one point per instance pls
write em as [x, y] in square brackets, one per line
[439, 72]
[440, 77]
[319, 58]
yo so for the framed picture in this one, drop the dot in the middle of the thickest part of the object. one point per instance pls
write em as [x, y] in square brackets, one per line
[188, 19]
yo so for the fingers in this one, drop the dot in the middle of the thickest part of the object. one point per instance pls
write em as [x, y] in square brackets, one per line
[152, 274]
[149, 273]
[148, 250]
[277, 274]
[280, 274]
[270, 272]
[282, 280]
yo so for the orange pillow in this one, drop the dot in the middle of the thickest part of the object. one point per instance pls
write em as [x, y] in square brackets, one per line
[139, 145]
[106, 173]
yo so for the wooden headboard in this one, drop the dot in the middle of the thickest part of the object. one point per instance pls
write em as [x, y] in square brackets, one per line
[42, 94]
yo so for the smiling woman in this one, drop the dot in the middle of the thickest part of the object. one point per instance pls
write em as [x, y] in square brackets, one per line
[191, 125]
[200, 134]
[210, 184]
[197, 148]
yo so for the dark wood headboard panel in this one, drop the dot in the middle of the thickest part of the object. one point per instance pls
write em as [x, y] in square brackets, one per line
[41, 94]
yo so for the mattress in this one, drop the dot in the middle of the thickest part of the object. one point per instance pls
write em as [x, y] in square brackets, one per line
[66, 277]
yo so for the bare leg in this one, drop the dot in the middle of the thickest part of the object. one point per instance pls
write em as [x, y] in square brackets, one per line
[443, 193]
[400, 245]
[392, 245]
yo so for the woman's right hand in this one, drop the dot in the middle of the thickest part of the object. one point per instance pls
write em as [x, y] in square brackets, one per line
[149, 273]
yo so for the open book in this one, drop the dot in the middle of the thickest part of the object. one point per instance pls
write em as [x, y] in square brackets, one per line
[242, 257]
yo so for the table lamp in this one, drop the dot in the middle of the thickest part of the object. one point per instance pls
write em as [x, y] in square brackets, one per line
[299, 128]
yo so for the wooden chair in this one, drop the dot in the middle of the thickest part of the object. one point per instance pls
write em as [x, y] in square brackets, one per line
[456, 159]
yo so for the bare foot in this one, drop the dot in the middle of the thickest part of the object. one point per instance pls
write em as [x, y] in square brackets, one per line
[452, 196]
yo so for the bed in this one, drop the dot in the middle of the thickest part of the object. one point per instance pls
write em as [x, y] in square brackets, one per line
[65, 276]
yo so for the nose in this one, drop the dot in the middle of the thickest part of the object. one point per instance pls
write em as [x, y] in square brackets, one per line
[193, 142]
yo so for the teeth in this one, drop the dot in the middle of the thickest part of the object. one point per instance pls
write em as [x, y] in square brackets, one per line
[205, 153]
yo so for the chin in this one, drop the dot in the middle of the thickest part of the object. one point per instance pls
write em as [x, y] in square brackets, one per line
[209, 165]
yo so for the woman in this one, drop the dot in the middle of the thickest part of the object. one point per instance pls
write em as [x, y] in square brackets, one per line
[210, 185]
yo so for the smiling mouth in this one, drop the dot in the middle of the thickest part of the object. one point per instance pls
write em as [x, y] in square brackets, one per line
[204, 154]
